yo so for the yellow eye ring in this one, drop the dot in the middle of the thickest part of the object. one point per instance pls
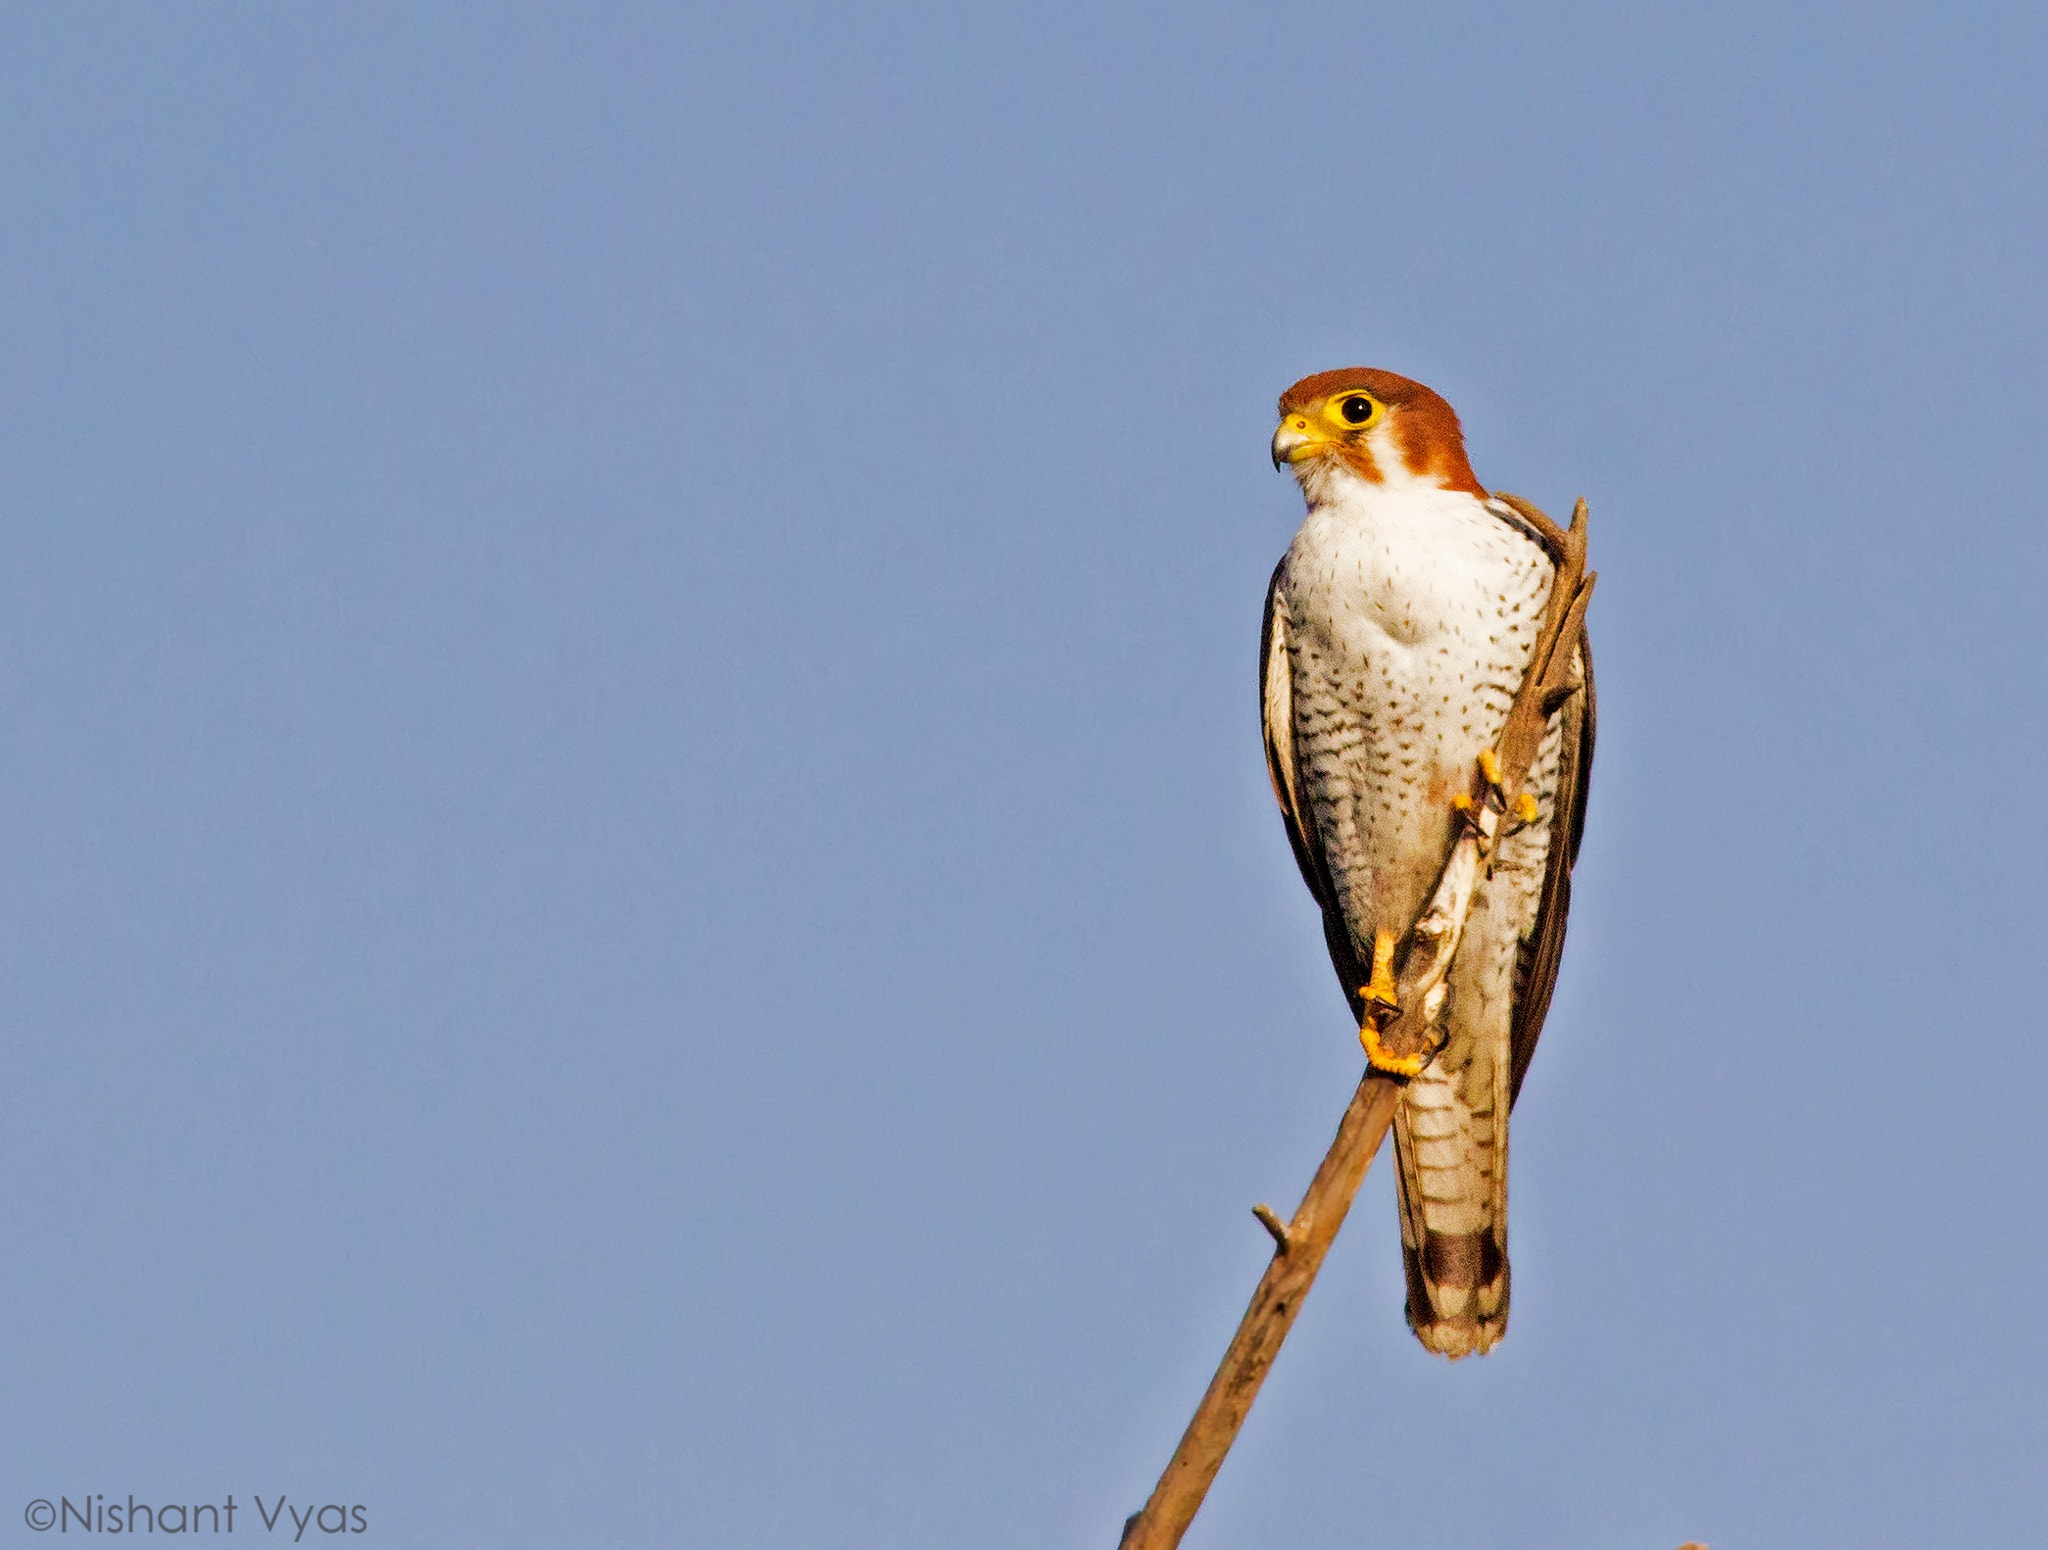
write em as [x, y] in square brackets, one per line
[1354, 411]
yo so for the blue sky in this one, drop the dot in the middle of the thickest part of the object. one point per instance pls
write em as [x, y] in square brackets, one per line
[642, 906]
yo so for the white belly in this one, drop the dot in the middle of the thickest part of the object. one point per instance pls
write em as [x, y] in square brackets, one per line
[1412, 612]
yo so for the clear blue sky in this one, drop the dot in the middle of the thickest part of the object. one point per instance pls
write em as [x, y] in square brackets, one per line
[640, 902]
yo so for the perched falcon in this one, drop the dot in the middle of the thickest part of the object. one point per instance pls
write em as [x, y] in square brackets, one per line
[1398, 628]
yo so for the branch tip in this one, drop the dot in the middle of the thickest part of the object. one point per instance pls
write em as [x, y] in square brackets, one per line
[1270, 1220]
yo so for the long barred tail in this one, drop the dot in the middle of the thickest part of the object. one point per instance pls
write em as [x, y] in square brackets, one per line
[1451, 1147]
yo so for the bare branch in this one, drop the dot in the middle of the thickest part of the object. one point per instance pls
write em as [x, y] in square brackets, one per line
[1273, 1308]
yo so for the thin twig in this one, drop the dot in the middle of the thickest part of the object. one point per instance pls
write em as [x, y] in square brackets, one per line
[1270, 1220]
[1427, 952]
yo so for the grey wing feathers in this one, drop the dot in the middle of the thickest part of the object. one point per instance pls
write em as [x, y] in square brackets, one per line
[1536, 963]
[1276, 712]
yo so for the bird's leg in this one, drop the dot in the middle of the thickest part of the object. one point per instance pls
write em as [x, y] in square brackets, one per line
[1382, 1006]
[1381, 995]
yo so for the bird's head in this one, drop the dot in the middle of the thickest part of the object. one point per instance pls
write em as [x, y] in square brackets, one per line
[1379, 427]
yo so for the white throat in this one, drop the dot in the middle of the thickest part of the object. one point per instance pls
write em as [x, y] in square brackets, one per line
[1326, 481]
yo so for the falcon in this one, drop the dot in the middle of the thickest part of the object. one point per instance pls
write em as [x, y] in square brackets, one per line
[1398, 628]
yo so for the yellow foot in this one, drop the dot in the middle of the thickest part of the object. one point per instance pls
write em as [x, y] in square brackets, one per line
[1381, 1007]
[1381, 1060]
[1493, 792]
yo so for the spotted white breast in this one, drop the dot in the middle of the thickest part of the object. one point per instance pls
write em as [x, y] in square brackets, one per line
[1408, 613]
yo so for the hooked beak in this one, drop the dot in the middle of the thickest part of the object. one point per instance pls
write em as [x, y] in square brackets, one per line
[1292, 442]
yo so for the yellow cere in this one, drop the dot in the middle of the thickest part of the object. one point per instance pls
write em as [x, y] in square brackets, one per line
[1305, 431]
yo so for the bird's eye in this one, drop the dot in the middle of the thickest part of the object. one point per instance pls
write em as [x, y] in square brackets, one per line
[1356, 409]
